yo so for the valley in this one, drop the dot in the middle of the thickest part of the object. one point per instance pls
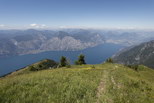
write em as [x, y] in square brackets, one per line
[33, 41]
[102, 52]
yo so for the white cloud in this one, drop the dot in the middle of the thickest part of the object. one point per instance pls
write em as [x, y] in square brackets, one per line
[37, 25]
[33, 25]
[1, 25]
[43, 25]
[71, 27]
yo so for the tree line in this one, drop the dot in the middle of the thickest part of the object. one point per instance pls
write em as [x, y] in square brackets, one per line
[65, 62]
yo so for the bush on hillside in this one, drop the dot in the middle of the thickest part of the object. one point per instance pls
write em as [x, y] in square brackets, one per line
[64, 62]
[109, 60]
[32, 68]
[81, 60]
[44, 64]
[136, 67]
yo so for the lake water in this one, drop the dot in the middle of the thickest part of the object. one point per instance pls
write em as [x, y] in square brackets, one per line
[94, 55]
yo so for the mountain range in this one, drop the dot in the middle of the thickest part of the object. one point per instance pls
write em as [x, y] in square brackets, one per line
[35, 41]
[31, 41]
[140, 54]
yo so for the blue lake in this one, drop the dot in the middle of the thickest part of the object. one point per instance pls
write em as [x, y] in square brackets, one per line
[94, 55]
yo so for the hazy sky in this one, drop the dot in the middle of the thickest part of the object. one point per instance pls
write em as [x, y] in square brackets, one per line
[77, 13]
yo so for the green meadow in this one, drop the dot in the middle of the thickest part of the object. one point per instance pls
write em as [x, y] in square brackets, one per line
[101, 83]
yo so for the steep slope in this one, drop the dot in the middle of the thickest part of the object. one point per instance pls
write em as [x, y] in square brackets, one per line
[141, 54]
[104, 83]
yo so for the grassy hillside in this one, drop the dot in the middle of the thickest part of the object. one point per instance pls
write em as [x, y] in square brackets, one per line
[103, 83]
[41, 65]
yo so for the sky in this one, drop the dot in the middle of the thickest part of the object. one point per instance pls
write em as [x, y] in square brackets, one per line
[76, 13]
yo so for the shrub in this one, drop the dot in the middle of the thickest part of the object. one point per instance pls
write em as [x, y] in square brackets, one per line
[136, 67]
[32, 68]
[43, 64]
[109, 60]
[64, 62]
[81, 60]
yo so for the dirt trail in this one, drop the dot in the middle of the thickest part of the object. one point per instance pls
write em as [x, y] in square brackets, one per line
[101, 87]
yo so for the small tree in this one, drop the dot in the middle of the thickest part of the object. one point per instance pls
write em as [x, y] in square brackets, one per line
[80, 60]
[109, 60]
[63, 61]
